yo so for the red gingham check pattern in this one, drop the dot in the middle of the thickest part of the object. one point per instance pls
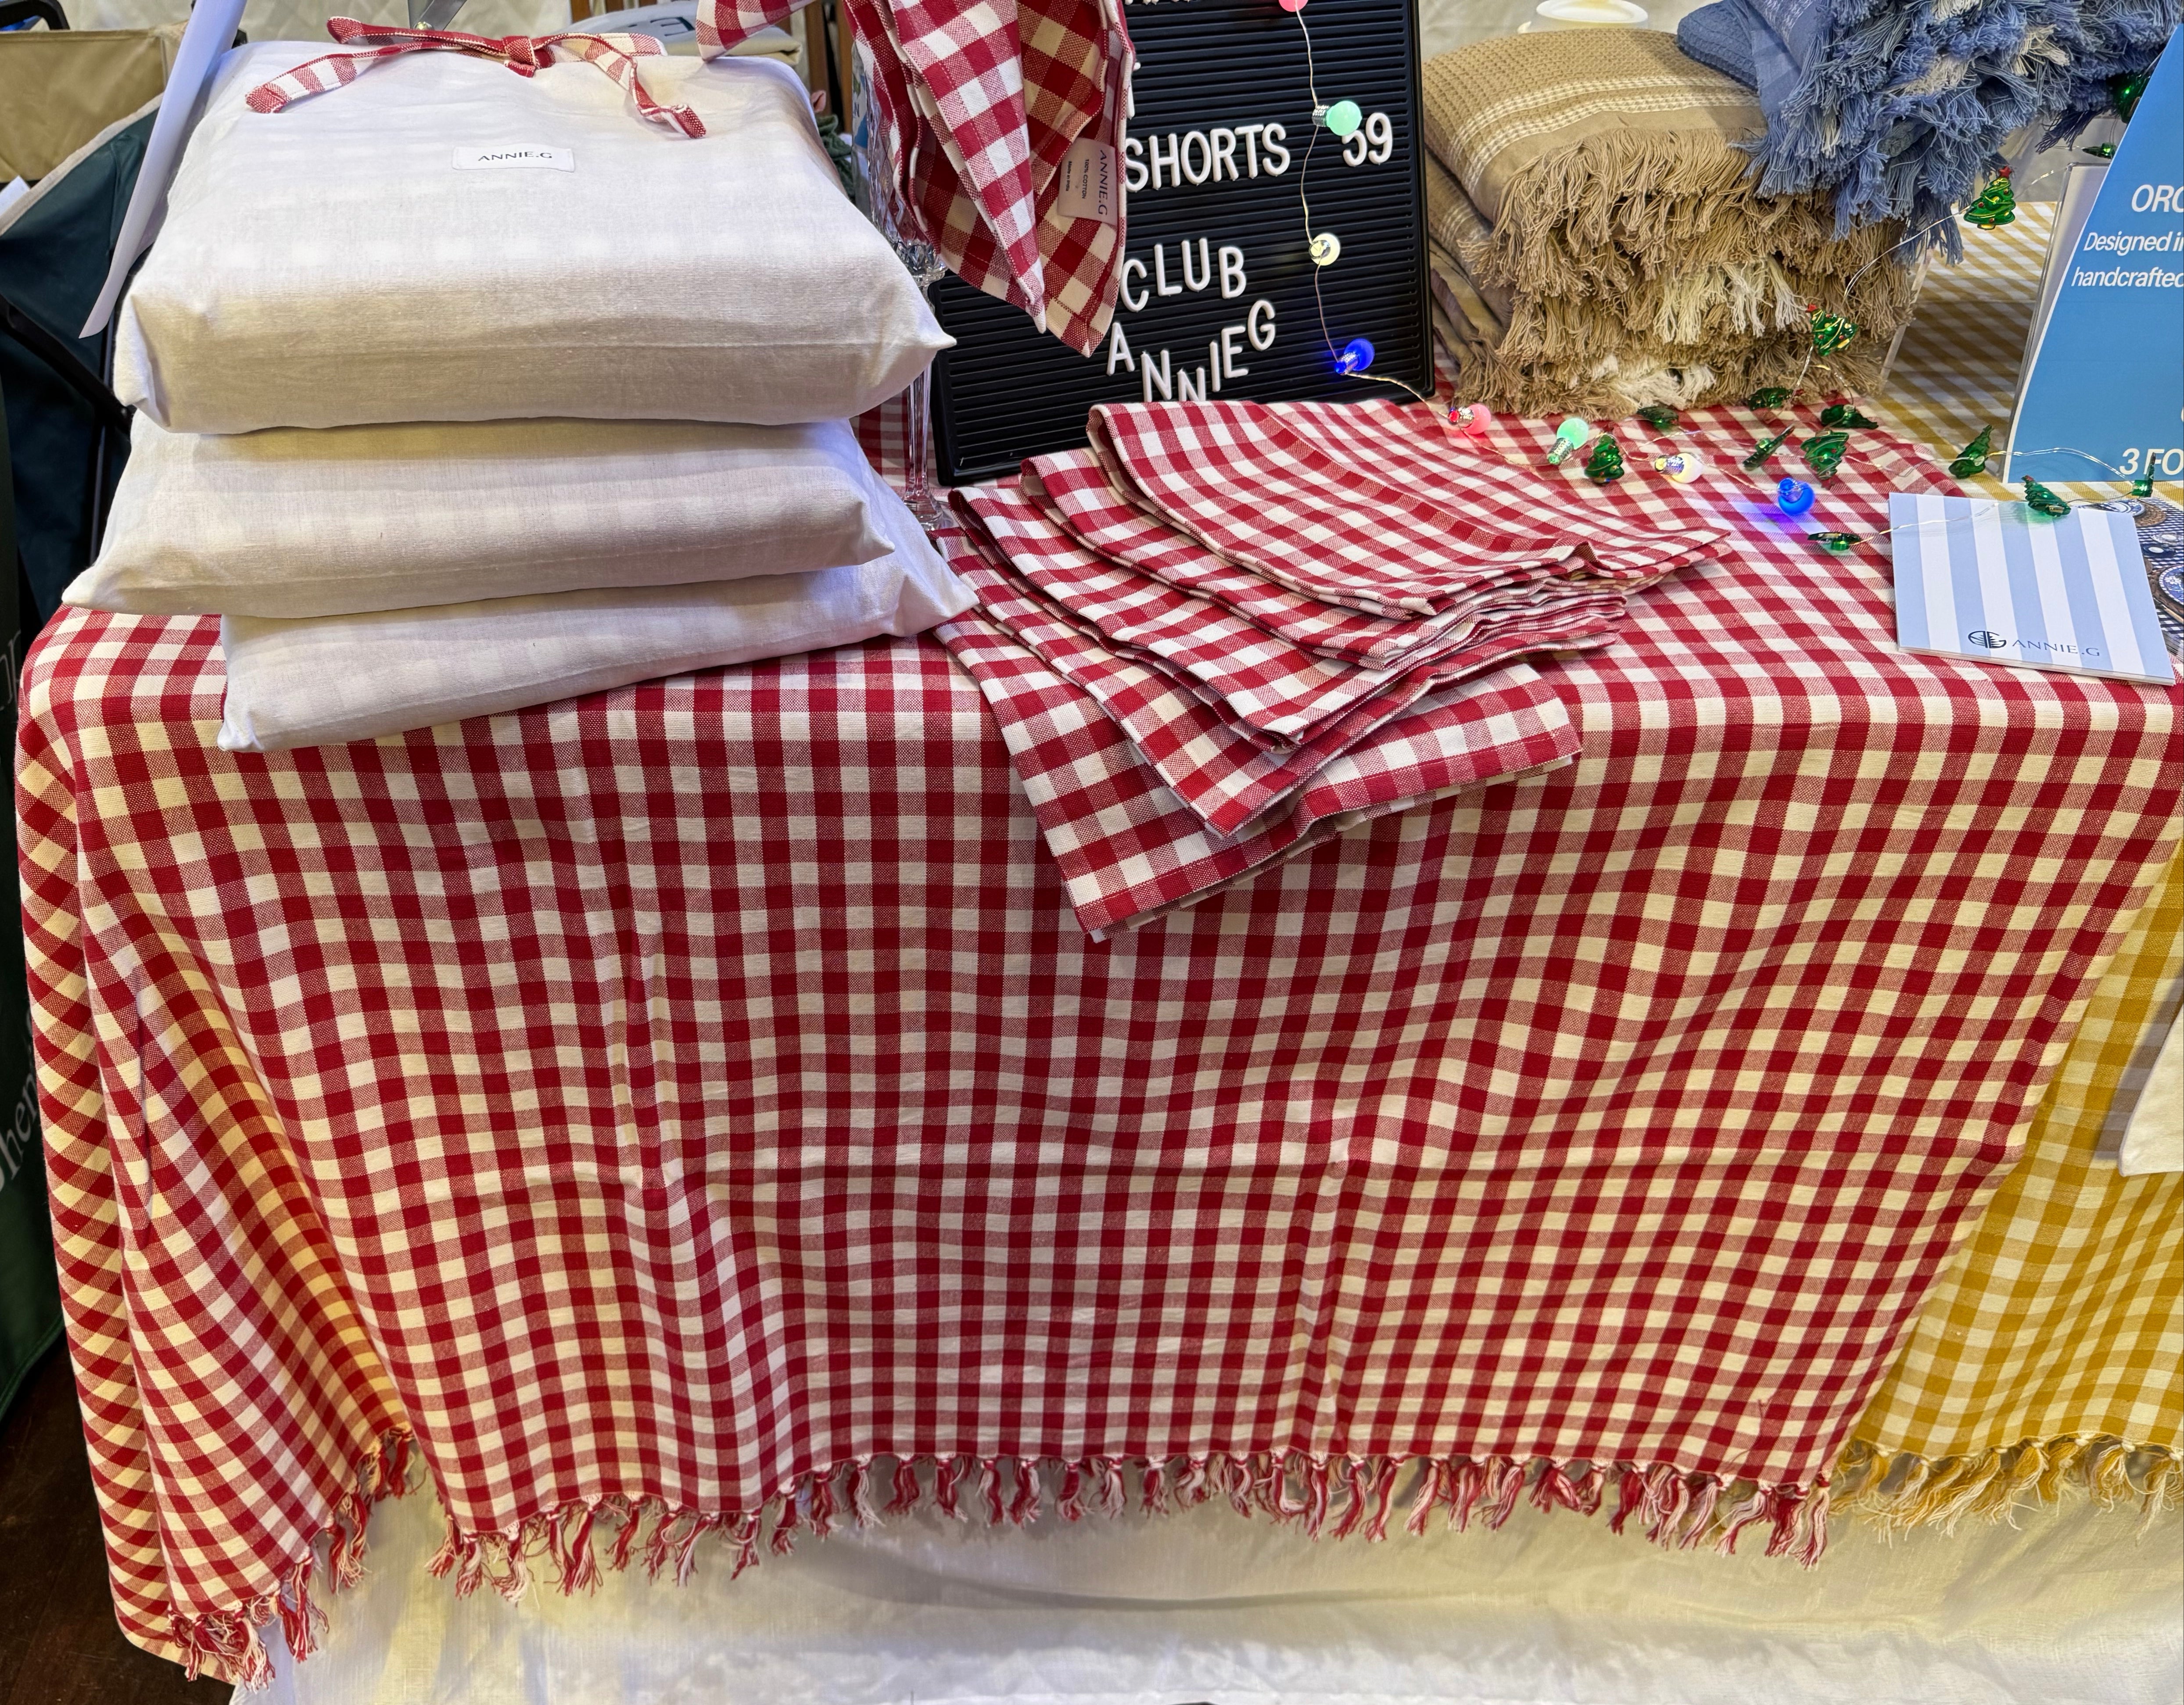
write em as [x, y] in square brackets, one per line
[1268, 684]
[691, 1092]
[979, 101]
[1075, 491]
[1276, 690]
[616, 54]
[1226, 781]
[1333, 529]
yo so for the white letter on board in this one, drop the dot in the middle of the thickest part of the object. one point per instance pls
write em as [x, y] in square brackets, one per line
[1224, 152]
[1213, 354]
[1160, 286]
[1229, 352]
[1250, 136]
[1133, 164]
[1205, 166]
[1118, 350]
[1277, 157]
[1133, 304]
[1199, 276]
[1153, 152]
[1260, 338]
[1157, 376]
[1382, 135]
[1232, 270]
[1184, 385]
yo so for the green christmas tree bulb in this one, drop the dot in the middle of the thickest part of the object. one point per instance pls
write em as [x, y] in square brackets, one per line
[2124, 93]
[1604, 466]
[1660, 417]
[2143, 487]
[1767, 448]
[1774, 396]
[1971, 460]
[1996, 205]
[1844, 415]
[1836, 543]
[1824, 453]
[2044, 502]
[1830, 332]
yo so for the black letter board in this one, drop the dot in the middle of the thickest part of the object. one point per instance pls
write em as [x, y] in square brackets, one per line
[1219, 244]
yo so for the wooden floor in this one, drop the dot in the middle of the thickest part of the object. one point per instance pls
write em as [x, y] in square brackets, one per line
[59, 1643]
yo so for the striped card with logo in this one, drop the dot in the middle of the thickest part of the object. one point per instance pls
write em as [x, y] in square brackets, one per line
[1989, 580]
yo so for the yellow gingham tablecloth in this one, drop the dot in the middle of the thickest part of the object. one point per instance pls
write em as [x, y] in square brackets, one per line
[2052, 1353]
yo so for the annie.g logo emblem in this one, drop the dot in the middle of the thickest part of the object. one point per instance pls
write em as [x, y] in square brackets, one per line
[1993, 641]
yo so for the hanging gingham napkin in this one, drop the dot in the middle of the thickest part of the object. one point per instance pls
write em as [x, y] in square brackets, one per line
[1238, 478]
[978, 102]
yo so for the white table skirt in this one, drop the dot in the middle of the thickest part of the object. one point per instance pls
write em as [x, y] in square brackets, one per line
[2078, 1606]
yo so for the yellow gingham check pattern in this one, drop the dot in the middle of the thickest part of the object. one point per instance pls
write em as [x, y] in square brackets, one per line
[1956, 370]
[2062, 1319]
[2063, 1316]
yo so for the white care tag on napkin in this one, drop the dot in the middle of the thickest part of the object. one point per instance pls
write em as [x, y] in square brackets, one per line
[515, 159]
[1089, 185]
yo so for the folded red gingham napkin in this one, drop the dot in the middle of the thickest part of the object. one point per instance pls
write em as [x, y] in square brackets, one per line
[1276, 691]
[1129, 850]
[1226, 780]
[1235, 477]
[1075, 490]
[979, 101]
[1290, 513]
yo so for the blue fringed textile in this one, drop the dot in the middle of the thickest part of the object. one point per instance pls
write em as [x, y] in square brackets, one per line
[1899, 109]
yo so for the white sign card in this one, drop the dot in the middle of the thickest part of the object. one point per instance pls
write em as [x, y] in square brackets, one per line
[1990, 581]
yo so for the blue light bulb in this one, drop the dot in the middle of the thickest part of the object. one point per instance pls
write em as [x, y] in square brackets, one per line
[1356, 357]
[1793, 496]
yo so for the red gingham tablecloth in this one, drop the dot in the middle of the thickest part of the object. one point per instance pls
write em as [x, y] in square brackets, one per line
[695, 1105]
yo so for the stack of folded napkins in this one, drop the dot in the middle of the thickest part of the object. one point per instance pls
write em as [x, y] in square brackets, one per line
[459, 391]
[1260, 597]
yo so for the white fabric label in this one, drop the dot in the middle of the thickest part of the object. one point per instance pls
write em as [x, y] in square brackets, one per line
[515, 158]
[1089, 187]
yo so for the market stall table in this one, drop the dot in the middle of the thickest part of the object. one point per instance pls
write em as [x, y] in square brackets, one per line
[701, 1097]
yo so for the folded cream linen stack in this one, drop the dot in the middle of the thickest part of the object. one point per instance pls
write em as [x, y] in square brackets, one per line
[1598, 242]
[461, 391]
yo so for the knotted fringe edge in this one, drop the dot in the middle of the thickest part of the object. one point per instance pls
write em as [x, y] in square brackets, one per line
[1899, 1491]
[229, 1638]
[1336, 1497]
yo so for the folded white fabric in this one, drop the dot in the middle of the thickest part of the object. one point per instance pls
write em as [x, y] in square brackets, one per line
[293, 523]
[335, 678]
[444, 240]
[2153, 1142]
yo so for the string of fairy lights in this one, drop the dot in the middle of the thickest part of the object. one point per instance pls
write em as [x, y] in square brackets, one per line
[1829, 333]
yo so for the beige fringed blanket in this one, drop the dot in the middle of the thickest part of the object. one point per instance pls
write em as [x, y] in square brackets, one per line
[1586, 190]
